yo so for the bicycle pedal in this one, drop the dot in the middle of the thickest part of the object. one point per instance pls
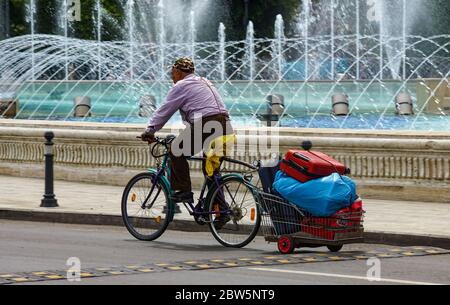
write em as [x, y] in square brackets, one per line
[200, 221]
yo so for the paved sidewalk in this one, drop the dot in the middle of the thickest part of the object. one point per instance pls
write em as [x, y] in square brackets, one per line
[396, 217]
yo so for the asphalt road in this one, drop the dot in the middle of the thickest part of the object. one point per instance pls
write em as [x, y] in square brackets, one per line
[28, 247]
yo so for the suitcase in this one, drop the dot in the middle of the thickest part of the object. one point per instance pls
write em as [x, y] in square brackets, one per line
[308, 165]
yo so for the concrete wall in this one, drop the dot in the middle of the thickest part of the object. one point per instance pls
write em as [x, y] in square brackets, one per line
[386, 165]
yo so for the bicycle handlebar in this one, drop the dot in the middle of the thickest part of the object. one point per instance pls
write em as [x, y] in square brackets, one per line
[160, 142]
[169, 139]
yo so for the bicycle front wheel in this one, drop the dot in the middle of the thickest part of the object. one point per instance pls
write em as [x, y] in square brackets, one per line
[234, 217]
[145, 207]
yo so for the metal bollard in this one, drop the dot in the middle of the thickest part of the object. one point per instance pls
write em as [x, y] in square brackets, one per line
[340, 104]
[275, 104]
[49, 200]
[404, 104]
[275, 110]
[82, 107]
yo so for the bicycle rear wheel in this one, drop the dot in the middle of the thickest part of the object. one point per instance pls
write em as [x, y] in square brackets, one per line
[145, 207]
[233, 199]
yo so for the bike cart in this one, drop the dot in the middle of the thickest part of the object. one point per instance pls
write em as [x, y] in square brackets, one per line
[292, 228]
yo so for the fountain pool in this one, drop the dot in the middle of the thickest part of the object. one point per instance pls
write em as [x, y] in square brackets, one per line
[307, 105]
[362, 49]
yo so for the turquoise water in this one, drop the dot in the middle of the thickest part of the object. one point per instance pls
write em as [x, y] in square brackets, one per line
[307, 104]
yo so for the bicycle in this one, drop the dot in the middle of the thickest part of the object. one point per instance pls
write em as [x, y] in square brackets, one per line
[232, 195]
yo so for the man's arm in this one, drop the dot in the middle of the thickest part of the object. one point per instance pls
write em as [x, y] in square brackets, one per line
[173, 103]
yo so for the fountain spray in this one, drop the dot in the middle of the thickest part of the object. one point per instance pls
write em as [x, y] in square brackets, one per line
[333, 69]
[250, 46]
[32, 12]
[222, 38]
[192, 35]
[99, 38]
[130, 16]
[279, 40]
[161, 39]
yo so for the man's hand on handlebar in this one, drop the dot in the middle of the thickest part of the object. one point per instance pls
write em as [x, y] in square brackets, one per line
[148, 137]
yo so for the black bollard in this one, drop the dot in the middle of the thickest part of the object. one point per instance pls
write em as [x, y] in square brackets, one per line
[49, 200]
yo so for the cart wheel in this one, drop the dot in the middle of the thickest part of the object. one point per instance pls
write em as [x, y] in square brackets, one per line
[286, 245]
[335, 249]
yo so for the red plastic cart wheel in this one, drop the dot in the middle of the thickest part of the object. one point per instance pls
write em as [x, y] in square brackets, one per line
[286, 245]
[335, 249]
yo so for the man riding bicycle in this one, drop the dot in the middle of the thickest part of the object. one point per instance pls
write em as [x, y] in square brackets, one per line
[206, 117]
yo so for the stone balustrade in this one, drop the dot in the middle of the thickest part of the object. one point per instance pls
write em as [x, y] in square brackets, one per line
[407, 166]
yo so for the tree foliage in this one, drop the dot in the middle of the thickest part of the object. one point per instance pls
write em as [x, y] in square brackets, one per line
[434, 20]
[262, 14]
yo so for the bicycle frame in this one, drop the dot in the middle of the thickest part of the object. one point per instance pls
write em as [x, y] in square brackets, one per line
[196, 211]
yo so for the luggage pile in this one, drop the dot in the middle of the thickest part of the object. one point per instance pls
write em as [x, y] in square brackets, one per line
[310, 201]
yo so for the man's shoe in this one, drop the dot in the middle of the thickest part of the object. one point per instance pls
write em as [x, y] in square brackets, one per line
[183, 197]
[221, 221]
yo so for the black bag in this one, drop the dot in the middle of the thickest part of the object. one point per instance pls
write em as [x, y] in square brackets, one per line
[267, 172]
[284, 216]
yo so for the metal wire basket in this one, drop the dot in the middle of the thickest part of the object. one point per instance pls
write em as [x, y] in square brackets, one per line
[280, 217]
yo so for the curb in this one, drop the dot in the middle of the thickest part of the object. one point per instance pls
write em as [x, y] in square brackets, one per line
[386, 238]
[407, 240]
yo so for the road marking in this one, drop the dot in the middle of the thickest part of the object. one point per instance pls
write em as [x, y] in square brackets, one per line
[220, 263]
[54, 277]
[20, 279]
[116, 272]
[342, 276]
[146, 270]
[205, 266]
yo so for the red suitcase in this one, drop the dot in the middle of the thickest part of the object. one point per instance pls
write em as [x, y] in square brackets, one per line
[308, 165]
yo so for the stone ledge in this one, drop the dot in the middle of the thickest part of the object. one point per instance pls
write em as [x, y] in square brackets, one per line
[284, 131]
[412, 168]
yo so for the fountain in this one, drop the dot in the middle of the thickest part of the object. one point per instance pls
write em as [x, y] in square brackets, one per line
[130, 18]
[341, 47]
[306, 11]
[161, 39]
[222, 51]
[278, 47]
[250, 51]
[31, 20]
[65, 26]
[192, 35]
[99, 37]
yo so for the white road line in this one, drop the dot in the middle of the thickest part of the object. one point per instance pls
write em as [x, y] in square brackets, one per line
[342, 276]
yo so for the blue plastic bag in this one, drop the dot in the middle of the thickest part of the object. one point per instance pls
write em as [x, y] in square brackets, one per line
[322, 197]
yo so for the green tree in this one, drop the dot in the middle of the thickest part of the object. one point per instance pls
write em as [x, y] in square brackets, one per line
[47, 12]
[112, 20]
[262, 14]
[434, 19]
[18, 25]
